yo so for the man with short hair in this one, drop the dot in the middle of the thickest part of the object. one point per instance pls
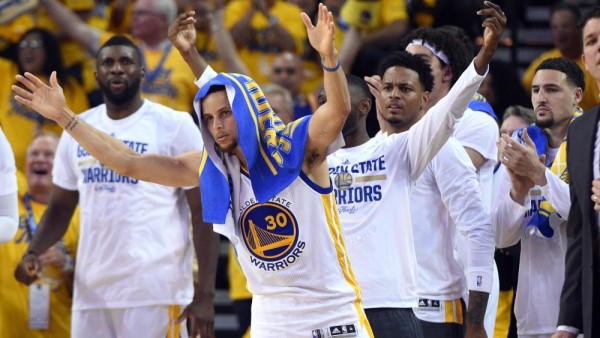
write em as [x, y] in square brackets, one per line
[166, 81]
[532, 202]
[580, 298]
[22, 306]
[135, 254]
[374, 178]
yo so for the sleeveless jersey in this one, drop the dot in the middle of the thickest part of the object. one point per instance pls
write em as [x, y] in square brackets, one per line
[292, 252]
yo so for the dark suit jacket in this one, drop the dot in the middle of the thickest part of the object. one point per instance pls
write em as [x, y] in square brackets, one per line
[577, 294]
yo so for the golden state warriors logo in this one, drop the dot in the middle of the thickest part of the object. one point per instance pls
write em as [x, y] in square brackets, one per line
[343, 180]
[270, 231]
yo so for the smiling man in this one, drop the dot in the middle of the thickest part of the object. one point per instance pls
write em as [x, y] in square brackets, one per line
[532, 203]
[20, 304]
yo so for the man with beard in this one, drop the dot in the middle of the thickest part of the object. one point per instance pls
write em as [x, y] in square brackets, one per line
[532, 202]
[135, 255]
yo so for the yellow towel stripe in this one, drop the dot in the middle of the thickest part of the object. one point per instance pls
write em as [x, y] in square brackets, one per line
[266, 158]
[203, 161]
[174, 329]
[335, 230]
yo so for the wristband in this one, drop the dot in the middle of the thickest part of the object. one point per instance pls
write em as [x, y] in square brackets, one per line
[327, 69]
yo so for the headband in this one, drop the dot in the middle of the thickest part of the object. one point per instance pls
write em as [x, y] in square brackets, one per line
[427, 45]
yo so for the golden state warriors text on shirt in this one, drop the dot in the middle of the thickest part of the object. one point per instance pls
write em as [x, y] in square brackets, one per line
[357, 182]
[94, 172]
[270, 233]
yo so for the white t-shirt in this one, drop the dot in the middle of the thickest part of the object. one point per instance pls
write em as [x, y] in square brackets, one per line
[8, 180]
[373, 183]
[446, 198]
[134, 246]
[541, 267]
[9, 210]
[479, 131]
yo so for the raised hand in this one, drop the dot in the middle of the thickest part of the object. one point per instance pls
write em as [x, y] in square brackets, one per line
[321, 36]
[494, 24]
[182, 32]
[46, 100]
[29, 269]
[523, 158]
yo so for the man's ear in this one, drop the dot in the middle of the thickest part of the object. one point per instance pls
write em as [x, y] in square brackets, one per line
[364, 107]
[447, 74]
[424, 99]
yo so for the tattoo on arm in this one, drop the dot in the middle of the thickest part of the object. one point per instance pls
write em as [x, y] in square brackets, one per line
[477, 304]
[323, 133]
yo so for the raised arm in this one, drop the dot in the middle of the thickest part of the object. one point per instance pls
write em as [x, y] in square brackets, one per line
[182, 34]
[429, 134]
[327, 121]
[180, 171]
[72, 25]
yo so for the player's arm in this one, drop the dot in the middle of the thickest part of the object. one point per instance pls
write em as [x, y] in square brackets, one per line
[52, 228]
[182, 35]
[180, 171]
[72, 25]
[201, 313]
[429, 134]
[327, 121]
[459, 188]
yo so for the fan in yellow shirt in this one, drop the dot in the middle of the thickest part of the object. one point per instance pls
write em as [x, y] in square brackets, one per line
[15, 309]
[38, 54]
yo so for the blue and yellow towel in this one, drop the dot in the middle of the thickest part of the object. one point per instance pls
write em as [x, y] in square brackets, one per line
[479, 103]
[274, 152]
[540, 221]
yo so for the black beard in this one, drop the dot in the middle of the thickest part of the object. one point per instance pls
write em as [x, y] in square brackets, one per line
[545, 124]
[127, 95]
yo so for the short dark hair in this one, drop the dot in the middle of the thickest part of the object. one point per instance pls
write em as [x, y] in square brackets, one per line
[211, 89]
[594, 13]
[407, 60]
[571, 69]
[360, 86]
[121, 40]
[444, 39]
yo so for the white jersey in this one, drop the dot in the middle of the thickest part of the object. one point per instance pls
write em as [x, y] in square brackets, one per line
[292, 253]
[479, 131]
[446, 198]
[373, 183]
[8, 180]
[134, 246]
[541, 267]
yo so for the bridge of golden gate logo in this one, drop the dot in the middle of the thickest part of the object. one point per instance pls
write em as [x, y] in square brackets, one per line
[270, 231]
[343, 180]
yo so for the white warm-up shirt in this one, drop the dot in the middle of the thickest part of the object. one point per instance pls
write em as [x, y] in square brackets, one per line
[445, 199]
[373, 183]
[541, 267]
[134, 246]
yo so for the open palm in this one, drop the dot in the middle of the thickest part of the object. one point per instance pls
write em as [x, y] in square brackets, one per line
[46, 100]
[322, 35]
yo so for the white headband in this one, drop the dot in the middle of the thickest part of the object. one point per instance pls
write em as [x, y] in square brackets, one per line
[426, 44]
